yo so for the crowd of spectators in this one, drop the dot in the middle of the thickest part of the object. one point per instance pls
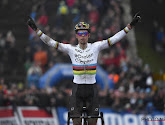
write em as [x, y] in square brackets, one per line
[133, 94]
[134, 89]
[9, 58]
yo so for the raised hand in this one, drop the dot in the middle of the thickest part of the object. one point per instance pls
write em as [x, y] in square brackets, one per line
[136, 19]
[31, 23]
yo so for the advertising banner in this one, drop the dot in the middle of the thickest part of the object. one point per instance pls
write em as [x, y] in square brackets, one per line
[36, 116]
[8, 116]
[112, 118]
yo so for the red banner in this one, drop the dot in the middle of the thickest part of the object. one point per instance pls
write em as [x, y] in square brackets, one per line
[8, 116]
[36, 116]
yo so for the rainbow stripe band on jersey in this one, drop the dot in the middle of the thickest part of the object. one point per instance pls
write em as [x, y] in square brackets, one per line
[126, 30]
[39, 33]
[56, 46]
[109, 42]
[84, 69]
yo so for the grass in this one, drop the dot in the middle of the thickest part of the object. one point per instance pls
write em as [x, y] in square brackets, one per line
[147, 53]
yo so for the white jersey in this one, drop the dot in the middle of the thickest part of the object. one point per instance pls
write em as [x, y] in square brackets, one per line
[84, 61]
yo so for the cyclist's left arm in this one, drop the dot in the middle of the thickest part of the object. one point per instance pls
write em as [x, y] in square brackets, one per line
[114, 39]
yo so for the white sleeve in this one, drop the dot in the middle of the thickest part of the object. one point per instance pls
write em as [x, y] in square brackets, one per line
[118, 36]
[50, 42]
[100, 45]
[64, 47]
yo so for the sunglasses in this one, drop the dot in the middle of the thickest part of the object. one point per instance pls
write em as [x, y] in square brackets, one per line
[83, 33]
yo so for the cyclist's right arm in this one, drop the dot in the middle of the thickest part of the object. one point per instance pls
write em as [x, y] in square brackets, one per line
[50, 42]
[46, 39]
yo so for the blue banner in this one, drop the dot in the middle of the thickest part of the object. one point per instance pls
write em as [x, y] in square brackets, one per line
[63, 70]
[113, 118]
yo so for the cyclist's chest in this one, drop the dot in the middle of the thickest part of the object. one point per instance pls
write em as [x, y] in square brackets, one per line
[81, 57]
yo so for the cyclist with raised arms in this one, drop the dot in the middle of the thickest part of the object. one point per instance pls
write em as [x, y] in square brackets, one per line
[84, 60]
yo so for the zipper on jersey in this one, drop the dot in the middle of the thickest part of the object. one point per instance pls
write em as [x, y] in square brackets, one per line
[85, 71]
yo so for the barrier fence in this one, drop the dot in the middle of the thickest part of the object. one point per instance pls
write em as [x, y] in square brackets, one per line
[58, 116]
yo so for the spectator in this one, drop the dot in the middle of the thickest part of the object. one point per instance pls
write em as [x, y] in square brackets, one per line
[28, 58]
[93, 16]
[13, 58]
[147, 77]
[160, 40]
[158, 100]
[62, 9]
[33, 75]
[10, 39]
[75, 14]
[111, 61]
[30, 97]
[70, 3]
[2, 41]
[43, 99]
[43, 19]
[40, 57]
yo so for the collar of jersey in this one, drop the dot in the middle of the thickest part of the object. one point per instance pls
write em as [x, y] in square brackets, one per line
[83, 49]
